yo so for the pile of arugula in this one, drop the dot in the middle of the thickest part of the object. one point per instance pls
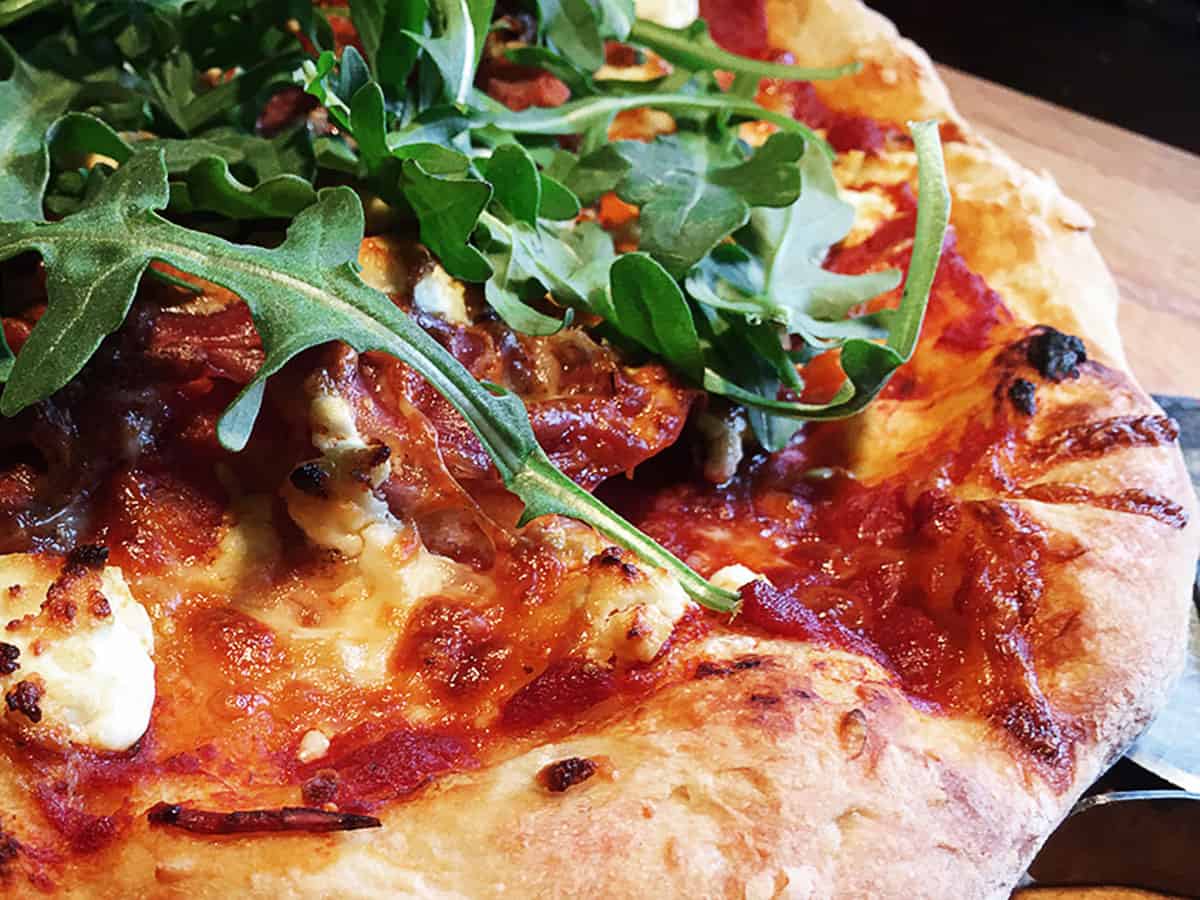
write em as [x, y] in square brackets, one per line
[731, 238]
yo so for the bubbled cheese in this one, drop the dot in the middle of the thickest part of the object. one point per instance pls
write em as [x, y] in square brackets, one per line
[94, 669]
[670, 13]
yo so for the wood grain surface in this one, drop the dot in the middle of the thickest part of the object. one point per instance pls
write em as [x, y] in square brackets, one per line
[1145, 198]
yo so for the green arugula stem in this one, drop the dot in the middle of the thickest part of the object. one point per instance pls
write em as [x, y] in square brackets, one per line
[678, 45]
[579, 115]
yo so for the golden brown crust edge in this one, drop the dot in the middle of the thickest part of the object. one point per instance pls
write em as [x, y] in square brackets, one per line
[810, 774]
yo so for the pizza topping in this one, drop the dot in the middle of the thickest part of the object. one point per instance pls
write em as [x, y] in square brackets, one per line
[735, 577]
[310, 478]
[566, 688]
[516, 227]
[1055, 355]
[87, 679]
[287, 818]
[631, 611]
[9, 654]
[321, 788]
[567, 773]
[1023, 395]
[366, 769]
[24, 699]
[313, 746]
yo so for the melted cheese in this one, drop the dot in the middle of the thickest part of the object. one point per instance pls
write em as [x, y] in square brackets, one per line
[631, 618]
[95, 672]
[735, 577]
[630, 610]
[670, 13]
[872, 208]
[439, 294]
[383, 572]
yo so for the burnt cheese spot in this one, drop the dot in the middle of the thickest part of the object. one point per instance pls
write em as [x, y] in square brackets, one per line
[713, 669]
[24, 699]
[88, 556]
[1023, 395]
[8, 658]
[309, 478]
[1056, 355]
[321, 788]
[99, 605]
[565, 773]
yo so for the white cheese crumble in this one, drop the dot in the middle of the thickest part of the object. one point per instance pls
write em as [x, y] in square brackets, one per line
[631, 611]
[872, 207]
[95, 671]
[735, 577]
[669, 13]
[314, 745]
[440, 295]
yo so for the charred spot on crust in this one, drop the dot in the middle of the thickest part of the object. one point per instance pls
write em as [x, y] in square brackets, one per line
[251, 821]
[164, 814]
[565, 773]
[1098, 438]
[852, 733]
[1056, 355]
[309, 478]
[9, 655]
[10, 847]
[1023, 395]
[24, 699]
[88, 556]
[764, 699]
[713, 669]
[1031, 723]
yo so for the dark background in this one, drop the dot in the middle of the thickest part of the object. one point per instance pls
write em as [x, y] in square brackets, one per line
[1135, 63]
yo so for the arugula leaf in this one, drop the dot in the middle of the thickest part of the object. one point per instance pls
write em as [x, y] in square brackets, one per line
[792, 243]
[868, 365]
[202, 169]
[693, 193]
[784, 277]
[303, 293]
[211, 187]
[15, 10]
[448, 207]
[693, 48]
[457, 47]
[383, 27]
[32, 100]
[648, 306]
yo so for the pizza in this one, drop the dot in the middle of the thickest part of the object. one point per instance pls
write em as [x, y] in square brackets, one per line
[337, 662]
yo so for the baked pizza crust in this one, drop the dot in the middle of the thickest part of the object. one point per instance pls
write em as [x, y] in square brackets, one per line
[794, 770]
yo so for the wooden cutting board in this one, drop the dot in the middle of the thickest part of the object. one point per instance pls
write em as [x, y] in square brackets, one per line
[1145, 198]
